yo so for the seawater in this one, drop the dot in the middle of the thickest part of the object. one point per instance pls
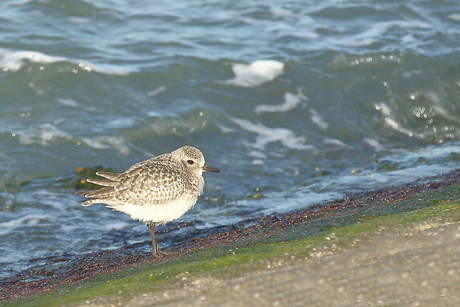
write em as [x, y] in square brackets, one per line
[297, 102]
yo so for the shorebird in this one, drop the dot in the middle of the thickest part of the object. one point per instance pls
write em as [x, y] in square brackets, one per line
[154, 191]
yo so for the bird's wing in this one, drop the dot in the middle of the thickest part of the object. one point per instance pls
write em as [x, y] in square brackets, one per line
[158, 159]
[151, 183]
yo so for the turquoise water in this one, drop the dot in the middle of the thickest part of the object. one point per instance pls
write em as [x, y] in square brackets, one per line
[296, 102]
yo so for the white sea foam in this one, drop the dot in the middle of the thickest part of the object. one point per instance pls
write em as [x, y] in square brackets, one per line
[38, 90]
[411, 73]
[318, 120]
[440, 111]
[357, 42]
[290, 102]
[224, 129]
[79, 20]
[256, 73]
[115, 226]
[156, 91]
[433, 96]
[374, 144]
[436, 107]
[455, 17]
[43, 135]
[393, 124]
[46, 199]
[68, 102]
[383, 108]
[370, 179]
[266, 135]
[29, 220]
[122, 122]
[257, 154]
[108, 69]
[335, 142]
[14, 60]
[163, 114]
[291, 16]
[117, 143]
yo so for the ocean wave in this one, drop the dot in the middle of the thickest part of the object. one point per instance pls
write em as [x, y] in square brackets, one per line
[15, 60]
[47, 134]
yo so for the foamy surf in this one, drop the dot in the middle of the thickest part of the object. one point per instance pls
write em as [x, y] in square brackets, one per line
[291, 101]
[117, 143]
[14, 60]
[256, 73]
[43, 135]
[266, 135]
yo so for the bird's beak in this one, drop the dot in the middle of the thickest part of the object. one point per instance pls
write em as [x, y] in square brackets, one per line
[210, 169]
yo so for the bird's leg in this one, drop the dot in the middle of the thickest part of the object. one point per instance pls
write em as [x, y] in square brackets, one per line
[155, 248]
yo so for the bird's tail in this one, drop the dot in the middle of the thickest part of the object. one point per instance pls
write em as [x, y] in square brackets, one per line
[96, 196]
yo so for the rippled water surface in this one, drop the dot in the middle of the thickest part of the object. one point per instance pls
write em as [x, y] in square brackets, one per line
[297, 102]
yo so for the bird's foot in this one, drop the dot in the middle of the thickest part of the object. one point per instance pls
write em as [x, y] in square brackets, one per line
[160, 253]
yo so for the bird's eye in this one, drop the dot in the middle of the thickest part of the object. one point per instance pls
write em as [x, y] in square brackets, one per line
[190, 162]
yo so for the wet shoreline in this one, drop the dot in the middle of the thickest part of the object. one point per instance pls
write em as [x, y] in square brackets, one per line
[300, 224]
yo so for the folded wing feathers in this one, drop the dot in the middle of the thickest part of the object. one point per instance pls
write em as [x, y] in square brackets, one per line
[103, 182]
[149, 182]
[110, 176]
[109, 183]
